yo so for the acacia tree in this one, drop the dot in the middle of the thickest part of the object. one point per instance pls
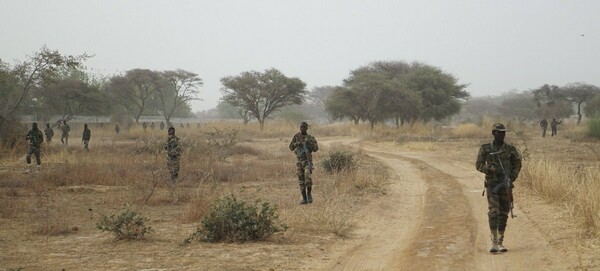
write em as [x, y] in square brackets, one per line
[179, 87]
[551, 102]
[135, 90]
[343, 103]
[579, 93]
[261, 94]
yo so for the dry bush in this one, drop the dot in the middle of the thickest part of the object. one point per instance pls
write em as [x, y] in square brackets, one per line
[577, 187]
[469, 130]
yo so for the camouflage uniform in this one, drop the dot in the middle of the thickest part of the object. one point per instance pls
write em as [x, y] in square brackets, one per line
[49, 133]
[498, 203]
[87, 135]
[544, 126]
[554, 126]
[303, 164]
[35, 138]
[173, 154]
[64, 138]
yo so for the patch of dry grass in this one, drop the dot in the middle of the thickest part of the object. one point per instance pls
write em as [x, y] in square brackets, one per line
[469, 130]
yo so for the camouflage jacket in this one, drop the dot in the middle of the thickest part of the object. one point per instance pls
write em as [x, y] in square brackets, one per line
[35, 137]
[172, 147]
[49, 133]
[66, 129]
[297, 145]
[87, 134]
[510, 158]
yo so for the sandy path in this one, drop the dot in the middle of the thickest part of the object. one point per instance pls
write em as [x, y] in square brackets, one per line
[434, 218]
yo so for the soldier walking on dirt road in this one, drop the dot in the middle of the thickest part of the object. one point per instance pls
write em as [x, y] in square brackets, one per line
[304, 145]
[64, 138]
[492, 158]
[544, 126]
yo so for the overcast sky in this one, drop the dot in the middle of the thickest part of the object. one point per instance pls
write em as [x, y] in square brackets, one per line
[494, 46]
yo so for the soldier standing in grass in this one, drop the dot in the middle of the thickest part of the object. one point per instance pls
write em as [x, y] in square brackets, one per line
[35, 138]
[173, 154]
[554, 125]
[304, 145]
[87, 135]
[544, 126]
[49, 133]
[64, 138]
[498, 203]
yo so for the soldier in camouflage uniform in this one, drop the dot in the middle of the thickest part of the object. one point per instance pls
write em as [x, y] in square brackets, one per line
[35, 138]
[304, 145]
[49, 133]
[87, 135]
[173, 154]
[64, 138]
[498, 203]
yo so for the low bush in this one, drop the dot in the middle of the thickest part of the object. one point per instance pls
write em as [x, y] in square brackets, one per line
[593, 127]
[126, 225]
[338, 161]
[233, 220]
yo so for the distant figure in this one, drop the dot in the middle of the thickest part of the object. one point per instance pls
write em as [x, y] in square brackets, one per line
[162, 125]
[64, 138]
[544, 126]
[554, 125]
[152, 126]
[187, 125]
[35, 138]
[144, 126]
[87, 135]
[181, 124]
[117, 129]
[173, 154]
[303, 145]
[49, 133]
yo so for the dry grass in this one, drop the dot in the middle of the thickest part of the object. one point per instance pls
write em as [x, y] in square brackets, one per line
[469, 130]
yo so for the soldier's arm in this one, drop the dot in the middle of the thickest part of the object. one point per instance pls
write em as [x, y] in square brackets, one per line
[480, 164]
[315, 145]
[515, 160]
[293, 144]
[41, 137]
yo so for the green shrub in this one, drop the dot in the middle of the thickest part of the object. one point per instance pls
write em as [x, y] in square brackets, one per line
[338, 161]
[233, 220]
[126, 225]
[593, 127]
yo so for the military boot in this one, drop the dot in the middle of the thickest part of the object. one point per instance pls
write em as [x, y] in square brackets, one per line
[501, 247]
[304, 199]
[494, 237]
[309, 195]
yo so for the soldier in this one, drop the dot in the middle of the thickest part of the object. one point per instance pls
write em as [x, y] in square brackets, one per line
[544, 126]
[151, 125]
[35, 138]
[87, 135]
[49, 133]
[498, 203]
[304, 145]
[173, 154]
[117, 129]
[144, 126]
[162, 125]
[64, 138]
[554, 126]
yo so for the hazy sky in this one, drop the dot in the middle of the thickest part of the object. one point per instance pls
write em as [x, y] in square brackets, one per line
[494, 46]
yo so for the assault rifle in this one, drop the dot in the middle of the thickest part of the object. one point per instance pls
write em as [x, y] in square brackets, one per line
[308, 156]
[506, 184]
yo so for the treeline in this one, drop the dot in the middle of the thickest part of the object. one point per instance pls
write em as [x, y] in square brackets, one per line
[547, 101]
[50, 83]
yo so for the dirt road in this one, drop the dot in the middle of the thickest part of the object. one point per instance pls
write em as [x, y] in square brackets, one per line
[434, 218]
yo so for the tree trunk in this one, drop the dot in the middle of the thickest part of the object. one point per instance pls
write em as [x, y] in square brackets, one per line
[262, 124]
[579, 112]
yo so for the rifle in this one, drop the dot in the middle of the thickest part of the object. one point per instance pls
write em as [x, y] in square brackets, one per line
[308, 156]
[506, 184]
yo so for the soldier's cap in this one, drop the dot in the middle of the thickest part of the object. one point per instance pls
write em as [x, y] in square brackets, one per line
[171, 128]
[303, 124]
[499, 127]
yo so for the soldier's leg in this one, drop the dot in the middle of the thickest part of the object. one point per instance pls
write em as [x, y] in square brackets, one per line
[38, 159]
[29, 153]
[308, 182]
[67, 140]
[62, 139]
[504, 209]
[301, 181]
[493, 216]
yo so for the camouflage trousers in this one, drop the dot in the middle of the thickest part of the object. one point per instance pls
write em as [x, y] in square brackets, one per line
[498, 209]
[64, 139]
[304, 174]
[86, 142]
[35, 151]
[173, 166]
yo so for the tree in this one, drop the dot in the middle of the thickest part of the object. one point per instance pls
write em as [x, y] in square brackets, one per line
[518, 105]
[135, 90]
[179, 88]
[42, 66]
[261, 94]
[343, 103]
[579, 93]
[551, 102]
[592, 107]
[318, 96]
[69, 97]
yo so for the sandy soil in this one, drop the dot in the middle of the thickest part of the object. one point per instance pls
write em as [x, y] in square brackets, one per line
[432, 217]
